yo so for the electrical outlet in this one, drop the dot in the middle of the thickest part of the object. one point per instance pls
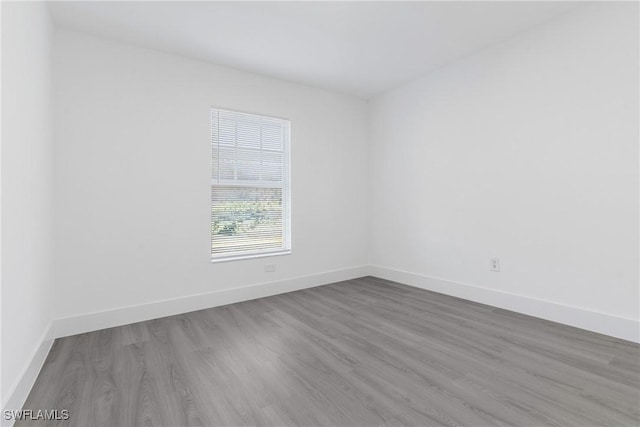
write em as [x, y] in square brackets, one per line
[494, 264]
[270, 268]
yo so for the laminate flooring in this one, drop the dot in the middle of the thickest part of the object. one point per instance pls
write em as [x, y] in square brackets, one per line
[365, 352]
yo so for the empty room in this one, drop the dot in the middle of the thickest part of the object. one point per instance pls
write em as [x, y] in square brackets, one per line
[340, 213]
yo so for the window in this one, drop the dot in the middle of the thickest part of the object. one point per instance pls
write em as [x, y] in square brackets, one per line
[250, 199]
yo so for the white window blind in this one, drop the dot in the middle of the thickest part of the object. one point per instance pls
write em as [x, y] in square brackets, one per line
[250, 202]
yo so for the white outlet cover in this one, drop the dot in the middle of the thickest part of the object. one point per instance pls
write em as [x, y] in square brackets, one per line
[494, 264]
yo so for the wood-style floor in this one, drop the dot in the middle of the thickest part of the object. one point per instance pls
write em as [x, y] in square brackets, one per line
[365, 352]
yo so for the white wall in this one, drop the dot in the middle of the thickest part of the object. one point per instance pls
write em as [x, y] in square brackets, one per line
[133, 175]
[527, 150]
[27, 174]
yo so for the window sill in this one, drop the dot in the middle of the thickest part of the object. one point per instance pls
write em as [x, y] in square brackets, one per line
[225, 258]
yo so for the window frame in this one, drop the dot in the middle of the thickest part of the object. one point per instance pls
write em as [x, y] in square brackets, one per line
[285, 186]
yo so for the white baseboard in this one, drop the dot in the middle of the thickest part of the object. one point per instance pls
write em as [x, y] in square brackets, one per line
[59, 328]
[156, 309]
[18, 394]
[603, 323]
[627, 329]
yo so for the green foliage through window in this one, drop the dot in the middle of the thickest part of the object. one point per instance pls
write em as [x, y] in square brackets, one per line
[245, 218]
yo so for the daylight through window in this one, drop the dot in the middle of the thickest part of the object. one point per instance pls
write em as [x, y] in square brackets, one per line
[250, 203]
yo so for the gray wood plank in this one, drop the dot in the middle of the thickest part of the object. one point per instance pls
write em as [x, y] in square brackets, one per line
[365, 352]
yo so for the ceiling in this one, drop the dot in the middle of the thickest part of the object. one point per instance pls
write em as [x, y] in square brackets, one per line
[359, 48]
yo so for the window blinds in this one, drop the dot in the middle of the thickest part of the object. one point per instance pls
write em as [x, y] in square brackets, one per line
[249, 187]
